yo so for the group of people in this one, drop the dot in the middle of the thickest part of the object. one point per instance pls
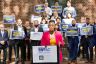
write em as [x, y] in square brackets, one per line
[52, 37]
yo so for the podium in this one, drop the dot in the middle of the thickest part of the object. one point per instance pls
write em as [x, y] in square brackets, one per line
[45, 55]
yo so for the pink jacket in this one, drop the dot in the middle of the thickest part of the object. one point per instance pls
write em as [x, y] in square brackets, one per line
[45, 41]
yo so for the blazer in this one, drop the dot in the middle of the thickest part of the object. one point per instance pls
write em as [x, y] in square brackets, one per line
[4, 38]
[45, 41]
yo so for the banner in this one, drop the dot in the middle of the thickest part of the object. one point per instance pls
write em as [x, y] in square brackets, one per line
[64, 27]
[45, 27]
[15, 34]
[42, 54]
[56, 8]
[88, 30]
[9, 19]
[39, 8]
[36, 35]
[72, 31]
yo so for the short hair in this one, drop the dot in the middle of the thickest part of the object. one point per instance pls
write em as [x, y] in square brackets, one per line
[58, 18]
[88, 18]
[52, 21]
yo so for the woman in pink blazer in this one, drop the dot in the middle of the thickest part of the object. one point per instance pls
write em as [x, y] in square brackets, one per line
[53, 37]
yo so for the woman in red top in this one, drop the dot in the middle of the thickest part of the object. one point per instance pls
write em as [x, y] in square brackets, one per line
[53, 37]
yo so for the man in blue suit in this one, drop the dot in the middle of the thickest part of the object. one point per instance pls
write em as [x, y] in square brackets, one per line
[3, 43]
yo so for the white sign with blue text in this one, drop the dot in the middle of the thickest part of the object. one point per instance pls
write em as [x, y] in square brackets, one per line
[45, 54]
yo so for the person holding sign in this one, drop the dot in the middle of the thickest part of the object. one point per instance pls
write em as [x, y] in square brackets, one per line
[69, 9]
[68, 19]
[87, 42]
[27, 38]
[20, 42]
[55, 16]
[94, 29]
[73, 41]
[48, 10]
[3, 43]
[53, 38]
[36, 28]
[33, 32]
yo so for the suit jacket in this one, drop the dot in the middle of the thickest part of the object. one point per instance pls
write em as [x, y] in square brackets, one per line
[45, 41]
[4, 38]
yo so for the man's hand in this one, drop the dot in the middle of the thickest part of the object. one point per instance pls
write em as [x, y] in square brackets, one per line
[2, 42]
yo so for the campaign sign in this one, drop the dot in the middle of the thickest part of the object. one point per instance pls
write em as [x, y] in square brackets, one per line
[45, 27]
[56, 8]
[36, 35]
[15, 34]
[39, 8]
[64, 27]
[73, 31]
[34, 18]
[88, 30]
[44, 54]
[9, 19]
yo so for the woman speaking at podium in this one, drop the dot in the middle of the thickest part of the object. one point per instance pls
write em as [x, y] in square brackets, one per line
[52, 38]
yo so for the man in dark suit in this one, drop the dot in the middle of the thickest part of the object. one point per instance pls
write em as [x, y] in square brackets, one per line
[27, 38]
[3, 43]
[20, 42]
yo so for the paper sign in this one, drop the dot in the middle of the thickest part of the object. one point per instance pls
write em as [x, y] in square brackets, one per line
[64, 27]
[42, 54]
[56, 8]
[39, 8]
[72, 31]
[15, 34]
[8, 19]
[36, 35]
[88, 30]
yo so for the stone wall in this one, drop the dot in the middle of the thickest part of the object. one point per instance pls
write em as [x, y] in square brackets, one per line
[24, 8]
[20, 8]
[86, 8]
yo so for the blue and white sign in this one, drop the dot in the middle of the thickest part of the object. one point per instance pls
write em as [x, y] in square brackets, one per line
[56, 8]
[36, 35]
[15, 34]
[73, 31]
[42, 54]
[9, 19]
[39, 8]
[88, 30]
[64, 27]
